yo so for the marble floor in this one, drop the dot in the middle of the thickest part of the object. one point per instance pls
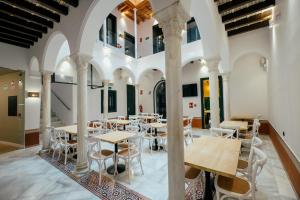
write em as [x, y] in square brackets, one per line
[25, 176]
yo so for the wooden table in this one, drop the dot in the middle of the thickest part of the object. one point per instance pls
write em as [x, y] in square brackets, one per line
[213, 154]
[123, 122]
[115, 137]
[157, 125]
[72, 129]
[243, 125]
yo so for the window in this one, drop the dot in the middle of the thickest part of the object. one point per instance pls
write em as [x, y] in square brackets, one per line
[111, 31]
[112, 101]
[192, 31]
[129, 45]
[158, 37]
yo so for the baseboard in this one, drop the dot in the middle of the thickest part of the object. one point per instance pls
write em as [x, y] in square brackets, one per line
[287, 157]
[12, 144]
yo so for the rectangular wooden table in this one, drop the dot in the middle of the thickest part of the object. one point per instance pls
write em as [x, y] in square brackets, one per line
[115, 137]
[72, 129]
[213, 154]
[243, 125]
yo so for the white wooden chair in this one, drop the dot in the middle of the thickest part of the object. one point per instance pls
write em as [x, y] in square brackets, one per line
[96, 153]
[238, 187]
[148, 136]
[66, 144]
[192, 175]
[187, 131]
[221, 132]
[134, 151]
[53, 140]
[244, 167]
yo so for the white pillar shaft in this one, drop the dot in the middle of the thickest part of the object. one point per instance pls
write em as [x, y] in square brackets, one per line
[226, 97]
[82, 65]
[214, 93]
[137, 99]
[46, 110]
[104, 33]
[172, 21]
[135, 33]
[105, 99]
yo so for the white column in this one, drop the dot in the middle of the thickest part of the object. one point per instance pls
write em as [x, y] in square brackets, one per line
[46, 109]
[82, 65]
[226, 97]
[214, 91]
[135, 33]
[137, 111]
[105, 99]
[104, 33]
[172, 21]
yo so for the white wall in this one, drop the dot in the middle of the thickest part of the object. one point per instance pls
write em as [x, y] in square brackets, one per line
[147, 83]
[284, 82]
[248, 87]
[13, 57]
[191, 73]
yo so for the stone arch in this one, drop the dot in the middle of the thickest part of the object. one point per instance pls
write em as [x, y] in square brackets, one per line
[92, 23]
[52, 50]
[248, 52]
[127, 70]
[145, 71]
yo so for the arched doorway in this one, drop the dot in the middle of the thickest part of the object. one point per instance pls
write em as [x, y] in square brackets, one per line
[159, 96]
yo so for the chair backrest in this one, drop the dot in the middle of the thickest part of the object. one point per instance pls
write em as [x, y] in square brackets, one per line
[227, 133]
[255, 128]
[256, 142]
[121, 117]
[92, 146]
[51, 134]
[61, 136]
[259, 159]
[134, 145]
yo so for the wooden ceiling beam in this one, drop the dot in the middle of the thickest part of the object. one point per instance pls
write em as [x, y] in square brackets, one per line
[25, 15]
[249, 28]
[55, 6]
[33, 8]
[16, 39]
[233, 5]
[20, 22]
[18, 34]
[73, 3]
[249, 10]
[20, 29]
[248, 20]
[14, 43]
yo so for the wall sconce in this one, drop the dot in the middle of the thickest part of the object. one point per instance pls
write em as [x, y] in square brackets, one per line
[33, 94]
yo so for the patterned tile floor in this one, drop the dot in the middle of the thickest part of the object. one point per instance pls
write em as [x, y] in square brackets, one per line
[25, 176]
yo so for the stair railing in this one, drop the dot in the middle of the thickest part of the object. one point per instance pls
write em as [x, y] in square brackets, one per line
[60, 100]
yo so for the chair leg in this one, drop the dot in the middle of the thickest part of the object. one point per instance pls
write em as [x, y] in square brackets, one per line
[59, 153]
[140, 160]
[99, 166]
[66, 155]
[54, 149]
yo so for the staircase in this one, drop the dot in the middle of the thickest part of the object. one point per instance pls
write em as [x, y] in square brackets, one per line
[55, 121]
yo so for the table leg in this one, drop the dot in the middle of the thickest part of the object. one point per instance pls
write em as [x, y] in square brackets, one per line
[156, 147]
[208, 187]
[120, 167]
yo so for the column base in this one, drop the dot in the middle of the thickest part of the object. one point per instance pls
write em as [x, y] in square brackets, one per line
[44, 150]
[81, 169]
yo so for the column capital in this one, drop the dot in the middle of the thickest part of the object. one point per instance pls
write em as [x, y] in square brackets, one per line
[213, 64]
[81, 60]
[172, 20]
[47, 73]
[225, 76]
[106, 82]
